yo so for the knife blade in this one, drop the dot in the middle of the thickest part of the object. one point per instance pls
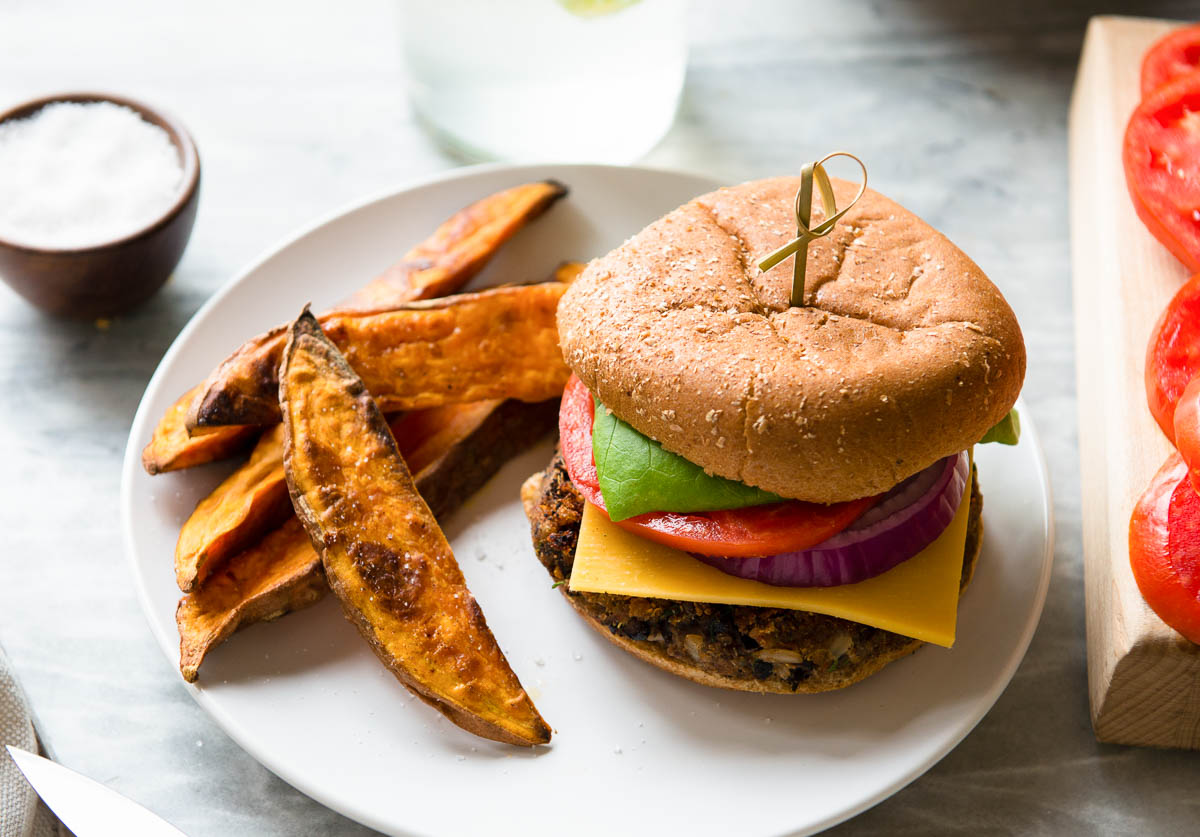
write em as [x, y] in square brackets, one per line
[85, 806]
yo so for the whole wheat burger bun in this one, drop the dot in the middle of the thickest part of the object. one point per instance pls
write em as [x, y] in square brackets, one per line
[903, 353]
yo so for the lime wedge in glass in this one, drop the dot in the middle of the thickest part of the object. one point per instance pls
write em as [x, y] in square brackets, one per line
[595, 8]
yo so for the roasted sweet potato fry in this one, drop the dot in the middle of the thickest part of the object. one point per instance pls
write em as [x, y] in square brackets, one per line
[459, 248]
[385, 557]
[453, 450]
[252, 500]
[440, 265]
[171, 448]
[277, 575]
[248, 504]
[498, 343]
[229, 513]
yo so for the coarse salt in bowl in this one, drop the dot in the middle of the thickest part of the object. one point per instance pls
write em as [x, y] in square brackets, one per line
[98, 195]
[79, 174]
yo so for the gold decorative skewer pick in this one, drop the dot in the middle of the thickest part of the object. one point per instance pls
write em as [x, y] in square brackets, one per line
[813, 172]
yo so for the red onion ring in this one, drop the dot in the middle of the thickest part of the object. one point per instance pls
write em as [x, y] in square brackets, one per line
[909, 518]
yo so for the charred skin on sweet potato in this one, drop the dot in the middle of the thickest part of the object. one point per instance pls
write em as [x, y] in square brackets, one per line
[251, 500]
[385, 557]
[442, 264]
[454, 450]
[460, 247]
[171, 448]
[498, 343]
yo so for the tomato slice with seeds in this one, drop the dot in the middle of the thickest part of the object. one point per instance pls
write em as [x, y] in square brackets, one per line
[736, 533]
[1161, 155]
[1173, 354]
[1164, 548]
[1174, 55]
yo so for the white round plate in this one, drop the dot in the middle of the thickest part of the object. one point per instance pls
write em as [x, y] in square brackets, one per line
[307, 698]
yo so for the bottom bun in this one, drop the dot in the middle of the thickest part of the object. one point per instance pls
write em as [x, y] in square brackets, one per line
[749, 649]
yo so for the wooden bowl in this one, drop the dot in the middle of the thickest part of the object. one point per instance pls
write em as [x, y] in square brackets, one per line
[109, 278]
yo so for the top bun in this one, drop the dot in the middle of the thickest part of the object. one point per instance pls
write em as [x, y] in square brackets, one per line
[904, 352]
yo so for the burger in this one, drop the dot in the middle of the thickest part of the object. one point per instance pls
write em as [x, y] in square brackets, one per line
[764, 496]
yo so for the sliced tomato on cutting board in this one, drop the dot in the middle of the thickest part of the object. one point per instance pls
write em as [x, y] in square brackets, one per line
[1164, 548]
[742, 533]
[1161, 155]
[1173, 354]
[1173, 55]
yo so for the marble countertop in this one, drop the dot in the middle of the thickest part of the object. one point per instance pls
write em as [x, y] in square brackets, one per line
[961, 109]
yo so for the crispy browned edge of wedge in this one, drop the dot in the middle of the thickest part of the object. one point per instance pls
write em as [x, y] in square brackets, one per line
[266, 581]
[171, 448]
[462, 245]
[465, 242]
[515, 317]
[496, 436]
[499, 685]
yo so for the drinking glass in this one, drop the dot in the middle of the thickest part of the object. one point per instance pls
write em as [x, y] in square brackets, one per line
[547, 80]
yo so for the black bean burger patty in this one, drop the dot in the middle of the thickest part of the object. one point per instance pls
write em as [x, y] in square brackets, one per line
[762, 649]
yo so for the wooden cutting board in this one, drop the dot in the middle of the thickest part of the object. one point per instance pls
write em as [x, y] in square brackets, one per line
[1143, 678]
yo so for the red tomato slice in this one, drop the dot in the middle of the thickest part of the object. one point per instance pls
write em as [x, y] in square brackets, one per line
[735, 533]
[575, 418]
[1162, 166]
[1174, 55]
[1187, 430]
[1164, 548]
[1173, 354]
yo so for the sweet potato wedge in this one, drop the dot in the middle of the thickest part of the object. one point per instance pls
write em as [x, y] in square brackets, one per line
[452, 450]
[277, 575]
[440, 265]
[385, 557]
[459, 248]
[498, 343]
[455, 449]
[171, 448]
[252, 500]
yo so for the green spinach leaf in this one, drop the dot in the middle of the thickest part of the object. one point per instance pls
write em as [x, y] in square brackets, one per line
[638, 476]
[1007, 431]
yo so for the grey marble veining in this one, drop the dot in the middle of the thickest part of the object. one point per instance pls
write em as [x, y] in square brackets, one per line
[960, 110]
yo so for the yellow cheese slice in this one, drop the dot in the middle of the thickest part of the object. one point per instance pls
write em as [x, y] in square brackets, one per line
[918, 598]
